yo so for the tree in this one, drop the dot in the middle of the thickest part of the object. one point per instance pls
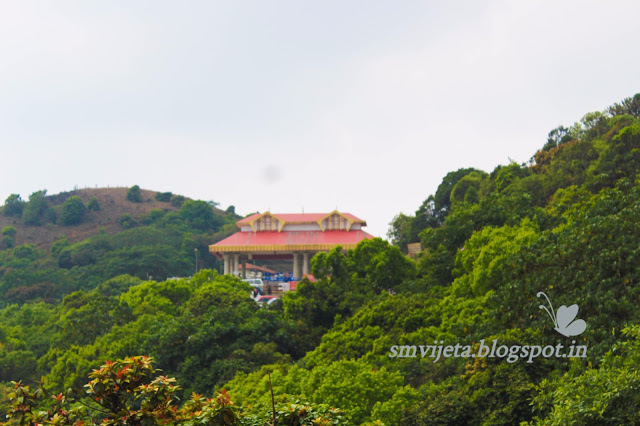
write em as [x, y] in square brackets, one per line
[9, 231]
[8, 236]
[630, 106]
[13, 205]
[400, 231]
[199, 214]
[134, 195]
[442, 197]
[128, 391]
[35, 211]
[73, 211]
[93, 205]
[177, 200]
[557, 137]
[163, 197]
[127, 221]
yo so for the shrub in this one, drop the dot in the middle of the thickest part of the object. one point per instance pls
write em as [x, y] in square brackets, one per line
[13, 205]
[177, 200]
[134, 195]
[93, 204]
[35, 211]
[126, 221]
[164, 197]
[73, 211]
[9, 231]
[7, 242]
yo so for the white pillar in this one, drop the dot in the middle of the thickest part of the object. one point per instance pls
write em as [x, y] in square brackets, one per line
[236, 263]
[305, 263]
[225, 256]
[244, 268]
[296, 265]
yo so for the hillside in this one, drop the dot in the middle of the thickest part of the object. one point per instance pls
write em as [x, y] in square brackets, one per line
[460, 335]
[109, 232]
[113, 204]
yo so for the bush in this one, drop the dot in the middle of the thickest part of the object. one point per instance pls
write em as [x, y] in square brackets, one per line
[134, 195]
[35, 211]
[154, 216]
[177, 200]
[73, 211]
[13, 205]
[61, 244]
[26, 251]
[93, 205]
[7, 242]
[199, 215]
[127, 221]
[8, 237]
[164, 197]
[9, 231]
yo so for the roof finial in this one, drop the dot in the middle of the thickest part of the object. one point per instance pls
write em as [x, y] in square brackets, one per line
[302, 209]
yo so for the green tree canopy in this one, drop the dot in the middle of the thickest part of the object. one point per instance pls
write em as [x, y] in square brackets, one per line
[134, 195]
[73, 211]
[35, 211]
[13, 205]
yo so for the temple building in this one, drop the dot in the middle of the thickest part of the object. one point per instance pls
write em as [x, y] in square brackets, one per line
[288, 236]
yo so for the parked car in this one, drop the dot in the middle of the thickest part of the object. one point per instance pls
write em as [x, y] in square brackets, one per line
[266, 299]
[256, 283]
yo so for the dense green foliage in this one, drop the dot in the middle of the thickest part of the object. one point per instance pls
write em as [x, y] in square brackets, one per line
[165, 197]
[177, 200]
[158, 245]
[37, 211]
[73, 211]
[566, 224]
[134, 195]
[129, 392]
[93, 205]
[13, 205]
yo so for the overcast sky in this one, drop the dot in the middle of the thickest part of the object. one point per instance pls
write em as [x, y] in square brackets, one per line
[361, 106]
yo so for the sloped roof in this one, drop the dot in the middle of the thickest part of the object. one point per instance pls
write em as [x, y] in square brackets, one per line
[268, 241]
[299, 217]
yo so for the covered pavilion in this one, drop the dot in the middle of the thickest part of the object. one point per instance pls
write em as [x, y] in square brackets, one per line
[288, 236]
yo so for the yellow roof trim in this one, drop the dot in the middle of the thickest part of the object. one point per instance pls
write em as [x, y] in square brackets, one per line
[278, 247]
[254, 220]
[322, 219]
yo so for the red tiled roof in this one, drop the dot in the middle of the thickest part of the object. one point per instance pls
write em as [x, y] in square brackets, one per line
[289, 240]
[298, 217]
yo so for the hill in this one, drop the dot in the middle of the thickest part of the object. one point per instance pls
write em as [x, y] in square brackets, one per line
[108, 232]
[113, 205]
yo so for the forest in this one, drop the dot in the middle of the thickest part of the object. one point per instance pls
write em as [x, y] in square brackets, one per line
[117, 328]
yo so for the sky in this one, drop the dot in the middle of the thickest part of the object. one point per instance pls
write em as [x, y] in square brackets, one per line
[290, 106]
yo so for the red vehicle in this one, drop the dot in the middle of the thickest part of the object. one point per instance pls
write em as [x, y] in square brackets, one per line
[266, 299]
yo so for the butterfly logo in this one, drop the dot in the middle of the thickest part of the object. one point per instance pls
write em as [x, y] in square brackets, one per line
[564, 319]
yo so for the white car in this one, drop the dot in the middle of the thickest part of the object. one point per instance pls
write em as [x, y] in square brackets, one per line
[256, 283]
